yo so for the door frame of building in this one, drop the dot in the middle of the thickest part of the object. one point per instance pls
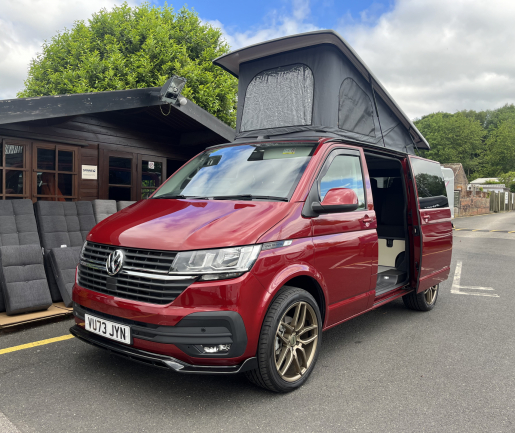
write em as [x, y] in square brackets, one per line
[103, 187]
[141, 157]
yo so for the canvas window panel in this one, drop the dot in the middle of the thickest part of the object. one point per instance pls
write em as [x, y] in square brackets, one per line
[279, 97]
[355, 112]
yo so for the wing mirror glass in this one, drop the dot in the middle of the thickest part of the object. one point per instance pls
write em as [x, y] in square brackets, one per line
[337, 200]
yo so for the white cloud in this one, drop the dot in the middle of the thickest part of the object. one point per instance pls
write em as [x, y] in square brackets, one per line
[25, 24]
[438, 55]
[442, 55]
[275, 25]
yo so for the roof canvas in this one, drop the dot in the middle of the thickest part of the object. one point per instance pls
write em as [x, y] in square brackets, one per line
[332, 60]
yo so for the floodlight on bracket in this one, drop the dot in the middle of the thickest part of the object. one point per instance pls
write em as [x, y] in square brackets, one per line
[170, 93]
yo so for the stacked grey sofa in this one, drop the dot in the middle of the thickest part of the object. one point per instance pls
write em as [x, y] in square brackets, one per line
[23, 283]
[103, 209]
[123, 204]
[63, 227]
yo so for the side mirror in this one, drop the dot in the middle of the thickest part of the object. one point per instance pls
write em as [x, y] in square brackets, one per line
[337, 200]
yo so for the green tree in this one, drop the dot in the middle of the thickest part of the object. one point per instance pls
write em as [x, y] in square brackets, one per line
[453, 138]
[501, 148]
[139, 47]
[508, 179]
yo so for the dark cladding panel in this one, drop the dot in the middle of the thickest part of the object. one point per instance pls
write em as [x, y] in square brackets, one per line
[355, 112]
[279, 97]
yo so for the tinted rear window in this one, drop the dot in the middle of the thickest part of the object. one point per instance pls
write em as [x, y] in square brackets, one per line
[430, 184]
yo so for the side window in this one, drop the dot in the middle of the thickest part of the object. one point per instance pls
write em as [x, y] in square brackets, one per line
[344, 172]
[430, 184]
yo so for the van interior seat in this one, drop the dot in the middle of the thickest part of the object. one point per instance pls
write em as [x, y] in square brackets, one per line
[376, 196]
[390, 224]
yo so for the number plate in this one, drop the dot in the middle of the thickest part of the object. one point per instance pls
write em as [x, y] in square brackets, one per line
[108, 329]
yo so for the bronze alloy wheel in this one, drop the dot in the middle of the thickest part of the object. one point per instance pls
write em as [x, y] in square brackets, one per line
[430, 295]
[296, 341]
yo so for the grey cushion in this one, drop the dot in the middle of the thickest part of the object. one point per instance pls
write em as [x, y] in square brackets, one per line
[17, 227]
[23, 279]
[2, 302]
[62, 223]
[123, 204]
[17, 223]
[103, 209]
[63, 262]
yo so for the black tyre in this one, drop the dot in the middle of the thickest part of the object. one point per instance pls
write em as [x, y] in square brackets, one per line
[289, 342]
[423, 301]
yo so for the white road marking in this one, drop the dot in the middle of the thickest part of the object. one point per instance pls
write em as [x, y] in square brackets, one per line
[456, 285]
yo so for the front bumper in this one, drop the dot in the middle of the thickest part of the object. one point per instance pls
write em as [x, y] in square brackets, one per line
[189, 334]
[157, 360]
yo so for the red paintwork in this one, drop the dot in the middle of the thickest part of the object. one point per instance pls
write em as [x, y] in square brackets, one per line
[436, 238]
[181, 225]
[337, 251]
[338, 196]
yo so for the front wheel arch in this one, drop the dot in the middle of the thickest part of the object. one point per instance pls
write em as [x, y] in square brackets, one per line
[310, 285]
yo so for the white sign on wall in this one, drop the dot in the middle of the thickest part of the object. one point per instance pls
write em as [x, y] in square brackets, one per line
[89, 172]
[151, 164]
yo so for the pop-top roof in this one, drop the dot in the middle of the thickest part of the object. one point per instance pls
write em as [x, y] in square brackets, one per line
[298, 49]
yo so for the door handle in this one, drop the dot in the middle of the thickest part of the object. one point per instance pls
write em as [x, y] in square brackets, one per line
[426, 218]
[367, 221]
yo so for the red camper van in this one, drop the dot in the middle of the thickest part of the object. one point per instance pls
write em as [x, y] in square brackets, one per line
[320, 211]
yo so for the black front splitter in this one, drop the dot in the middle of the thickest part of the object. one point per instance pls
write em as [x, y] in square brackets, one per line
[157, 360]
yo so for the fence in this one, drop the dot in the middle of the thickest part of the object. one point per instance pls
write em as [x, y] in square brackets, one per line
[502, 201]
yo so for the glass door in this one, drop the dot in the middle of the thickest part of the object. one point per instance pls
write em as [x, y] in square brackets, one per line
[120, 178]
[151, 171]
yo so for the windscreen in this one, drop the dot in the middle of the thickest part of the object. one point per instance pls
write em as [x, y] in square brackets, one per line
[430, 184]
[263, 171]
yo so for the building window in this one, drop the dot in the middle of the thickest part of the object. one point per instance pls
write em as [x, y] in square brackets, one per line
[13, 170]
[55, 173]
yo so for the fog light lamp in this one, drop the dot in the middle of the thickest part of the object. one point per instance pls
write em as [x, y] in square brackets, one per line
[218, 348]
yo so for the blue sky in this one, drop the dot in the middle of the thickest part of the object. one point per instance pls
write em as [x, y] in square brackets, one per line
[242, 16]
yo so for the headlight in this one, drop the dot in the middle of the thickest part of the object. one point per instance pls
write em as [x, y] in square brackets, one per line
[82, 250]
[216, 264]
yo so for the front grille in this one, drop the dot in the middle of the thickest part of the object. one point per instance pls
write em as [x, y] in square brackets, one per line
[148, 286]
[135, 258]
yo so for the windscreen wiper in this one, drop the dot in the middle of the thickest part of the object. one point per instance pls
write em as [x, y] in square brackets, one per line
[248, 197]
[179, 196]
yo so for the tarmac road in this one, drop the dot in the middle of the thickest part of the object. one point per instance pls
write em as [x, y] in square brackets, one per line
[391, 370]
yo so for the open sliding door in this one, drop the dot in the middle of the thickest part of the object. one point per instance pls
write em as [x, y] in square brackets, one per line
[433, 235]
